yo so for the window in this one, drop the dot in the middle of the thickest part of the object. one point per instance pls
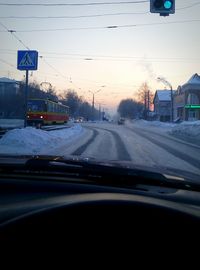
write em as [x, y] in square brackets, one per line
[193, 99]
[36, 106]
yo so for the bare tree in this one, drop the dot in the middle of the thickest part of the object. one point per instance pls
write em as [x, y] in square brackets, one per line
[141, 94]
[145, 96]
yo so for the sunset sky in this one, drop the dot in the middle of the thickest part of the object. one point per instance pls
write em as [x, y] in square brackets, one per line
[115, 60]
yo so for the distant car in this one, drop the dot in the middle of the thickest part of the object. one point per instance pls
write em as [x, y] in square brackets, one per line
[121, 121]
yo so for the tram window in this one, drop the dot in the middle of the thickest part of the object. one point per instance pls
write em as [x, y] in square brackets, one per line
[36, 105]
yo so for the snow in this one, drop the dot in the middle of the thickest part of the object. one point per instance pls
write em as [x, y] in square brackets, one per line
[164, 95]
[195, 79]
[36, 141]
[145, 123]
[11, 123]
[190, 129]
[7, 80]
[186, 128]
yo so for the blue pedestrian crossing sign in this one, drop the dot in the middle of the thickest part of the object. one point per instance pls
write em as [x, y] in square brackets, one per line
[27, 60]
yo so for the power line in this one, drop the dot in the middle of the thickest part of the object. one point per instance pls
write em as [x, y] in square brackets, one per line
[41, 57]
[74, 4]
[13, 33]
[190, 6]
[89, 16]
[108, 57]
[102, 27]
[5, 62]
[129, 59]
[74, 17]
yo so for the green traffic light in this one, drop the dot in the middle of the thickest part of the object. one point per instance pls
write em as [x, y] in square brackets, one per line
[168, 4]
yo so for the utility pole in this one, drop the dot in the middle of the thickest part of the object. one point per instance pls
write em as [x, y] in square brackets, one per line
[148, 100]
[99, 112]
[93, 101]
[93, 107]
[145, 105]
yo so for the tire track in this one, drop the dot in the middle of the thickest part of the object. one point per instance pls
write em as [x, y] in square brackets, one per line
[192, 161]
[173, 139]
[122, 153]
[79, 151]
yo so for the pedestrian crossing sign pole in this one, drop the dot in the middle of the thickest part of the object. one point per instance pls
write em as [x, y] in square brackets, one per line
[27, 60]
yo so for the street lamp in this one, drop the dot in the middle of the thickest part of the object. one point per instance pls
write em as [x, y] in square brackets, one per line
[93, 93]
[100, 108]
[163, 80]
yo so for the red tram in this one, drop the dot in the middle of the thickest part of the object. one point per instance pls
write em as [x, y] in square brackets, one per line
[46, 112]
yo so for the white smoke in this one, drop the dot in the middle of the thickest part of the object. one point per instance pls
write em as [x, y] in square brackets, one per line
[147, 66]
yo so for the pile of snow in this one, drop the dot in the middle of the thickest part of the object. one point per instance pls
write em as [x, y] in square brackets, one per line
[36, 141]
[189, 129]
[145, 123]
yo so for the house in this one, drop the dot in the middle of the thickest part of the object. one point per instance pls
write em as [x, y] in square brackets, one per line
[10, 98]
[8, 86]
[162, 105]
[187, 100]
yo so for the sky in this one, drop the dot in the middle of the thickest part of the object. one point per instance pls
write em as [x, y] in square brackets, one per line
[115, 61]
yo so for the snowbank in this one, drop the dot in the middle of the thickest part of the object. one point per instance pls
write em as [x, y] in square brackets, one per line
[189, 129]
[153, 123]
[186, 129]
[36, 141]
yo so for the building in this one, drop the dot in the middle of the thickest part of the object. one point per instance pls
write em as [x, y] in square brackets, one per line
[10, 98]
[187, 100]
[162, 105]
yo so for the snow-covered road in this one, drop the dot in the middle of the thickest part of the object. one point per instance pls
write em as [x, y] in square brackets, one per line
[144, 146]
[150, 144]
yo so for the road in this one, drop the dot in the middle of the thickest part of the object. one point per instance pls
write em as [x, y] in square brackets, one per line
[143, 146]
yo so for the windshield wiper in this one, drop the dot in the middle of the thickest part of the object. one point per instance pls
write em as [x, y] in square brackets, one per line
[103, 173]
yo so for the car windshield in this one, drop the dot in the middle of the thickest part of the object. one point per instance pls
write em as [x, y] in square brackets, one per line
[108, 81]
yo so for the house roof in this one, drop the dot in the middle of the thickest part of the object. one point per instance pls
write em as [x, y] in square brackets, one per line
[164, 95]
[7, 80]
[195, 79]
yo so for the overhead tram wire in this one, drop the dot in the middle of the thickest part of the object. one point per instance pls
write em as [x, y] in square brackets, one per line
[102, 27]
[5, 62]
[75, 17]
[189, 6]
[9, 31]
[12, 32]
[75, 4]
[64, 56]
[92, 15]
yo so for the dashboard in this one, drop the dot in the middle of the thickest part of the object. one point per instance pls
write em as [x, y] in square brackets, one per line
[39, 209]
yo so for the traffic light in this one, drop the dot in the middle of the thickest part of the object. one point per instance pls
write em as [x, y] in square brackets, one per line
[164, 7]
